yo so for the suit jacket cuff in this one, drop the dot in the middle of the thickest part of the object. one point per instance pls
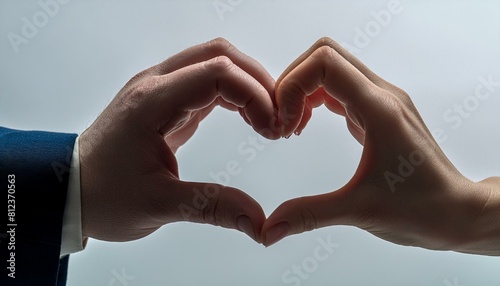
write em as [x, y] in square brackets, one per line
[40, 163]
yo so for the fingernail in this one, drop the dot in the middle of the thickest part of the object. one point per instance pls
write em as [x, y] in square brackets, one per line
[297, 132]
[245, 225]
[277, 233]
[288, 136]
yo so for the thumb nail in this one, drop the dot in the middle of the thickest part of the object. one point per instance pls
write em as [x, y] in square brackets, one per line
[244, 224]
[277, 233]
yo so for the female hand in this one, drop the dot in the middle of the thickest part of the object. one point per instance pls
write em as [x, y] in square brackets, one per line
[405, 189]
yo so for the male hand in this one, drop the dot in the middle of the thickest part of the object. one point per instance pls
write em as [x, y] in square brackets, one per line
[129, 178]
[405, 190]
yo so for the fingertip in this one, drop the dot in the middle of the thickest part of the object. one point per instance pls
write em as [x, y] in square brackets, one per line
[250, 222]
[306, 116]
[269, 133]
[244, 225]
[289, 120]
[276, 233]
[221, 206]
[303, 214]
[253, 226]
[270, 129]
[263, 117]
[277, 226]
[291, 101]
[248, 215]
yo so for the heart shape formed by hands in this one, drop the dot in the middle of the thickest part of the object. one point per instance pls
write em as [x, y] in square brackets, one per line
[405, 190]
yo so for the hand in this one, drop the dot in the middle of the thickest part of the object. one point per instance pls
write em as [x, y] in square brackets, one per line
[405, 190]
[129, 178]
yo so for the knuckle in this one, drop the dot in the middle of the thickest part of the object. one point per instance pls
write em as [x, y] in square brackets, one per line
[400, 106]
[211, 212]
[405, 97]
[219, 64]
[219, 46]
[396, 114]
[292, 99]
[305, 218]
[137, 77]
[400, 97]
[325, 41]
[290, 87]
[137, 93]
[324, 52]
[393, 102]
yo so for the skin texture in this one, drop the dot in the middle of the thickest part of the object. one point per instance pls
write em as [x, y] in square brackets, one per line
[424, 202]
[129, 176]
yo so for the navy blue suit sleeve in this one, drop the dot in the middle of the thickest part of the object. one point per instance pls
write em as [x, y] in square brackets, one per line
[34, 171]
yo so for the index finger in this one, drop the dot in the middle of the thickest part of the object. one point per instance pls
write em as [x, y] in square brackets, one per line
[170, 98]
[212, 49]
[323, 67]
[325, 41]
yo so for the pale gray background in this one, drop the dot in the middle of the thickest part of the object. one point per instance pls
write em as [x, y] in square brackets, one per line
[435, 50]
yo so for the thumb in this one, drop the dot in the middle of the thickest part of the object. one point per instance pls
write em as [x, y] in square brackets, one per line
[219, 205]
[307, 213]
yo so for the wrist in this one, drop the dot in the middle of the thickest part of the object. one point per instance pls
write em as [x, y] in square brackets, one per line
[481, 232]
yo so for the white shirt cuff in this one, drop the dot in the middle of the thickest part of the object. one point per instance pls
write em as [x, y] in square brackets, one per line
[72, 240]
